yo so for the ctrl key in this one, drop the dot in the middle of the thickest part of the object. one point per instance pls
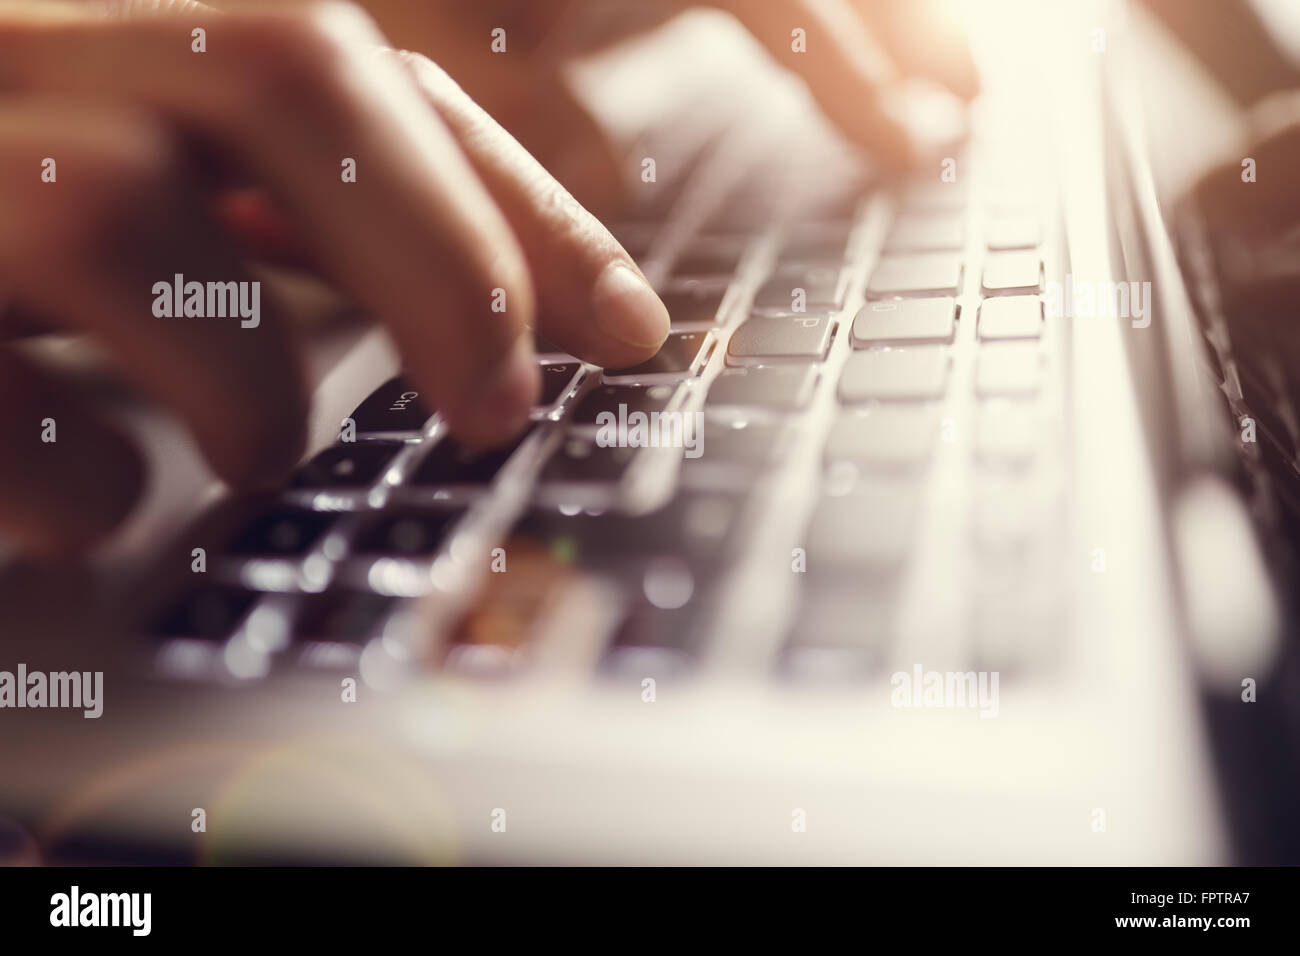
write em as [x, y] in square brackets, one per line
[393, 407]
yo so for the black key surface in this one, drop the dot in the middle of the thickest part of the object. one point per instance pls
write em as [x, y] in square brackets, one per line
[556, 380]
[676, 356]
[348, 465]
[813, 244]
[281, 533]
[608, 398]
[407, 533]
[579, 460]
[697, 304]
[212, 611]
[819, 286]
[451, 463]
[696, 527]
[705, 258]
[347, 617]
[394, 406]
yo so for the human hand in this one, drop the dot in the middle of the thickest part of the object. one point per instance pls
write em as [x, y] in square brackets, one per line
[451, 235]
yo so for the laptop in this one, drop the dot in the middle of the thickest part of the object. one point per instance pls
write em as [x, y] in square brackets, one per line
[927, 538]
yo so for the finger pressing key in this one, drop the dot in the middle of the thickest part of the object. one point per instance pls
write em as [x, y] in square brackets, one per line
[592, 299]
[289, 97]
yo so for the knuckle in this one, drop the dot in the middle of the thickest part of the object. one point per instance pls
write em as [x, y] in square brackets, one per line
[291, 56]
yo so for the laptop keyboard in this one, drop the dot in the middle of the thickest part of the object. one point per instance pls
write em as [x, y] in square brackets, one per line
[892, 353]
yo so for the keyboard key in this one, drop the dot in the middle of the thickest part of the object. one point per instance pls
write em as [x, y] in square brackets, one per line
[451, 463]
[1008, 369]
[1011, 317]
[801, 290]
[709, 258]
[926, 234]
[826, 243]
[405, 533]
[909, 374]
[556, 382]
[393, 407]
[346, 617]
[1013, 271]
[608, 398]
[349, 465]
[580, 460]
[1002, 233]
[694, 525]
[890, 436]
[872, 528]
[905, 320]
[930, 273]
[676, 357]
[781, 337]
[1005, 434]
[211, 612]
[282, 533]
[778, 387]
[695, 305]
[751, 444]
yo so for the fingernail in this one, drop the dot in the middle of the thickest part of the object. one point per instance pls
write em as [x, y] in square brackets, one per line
[627, 309]
[508, 393]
